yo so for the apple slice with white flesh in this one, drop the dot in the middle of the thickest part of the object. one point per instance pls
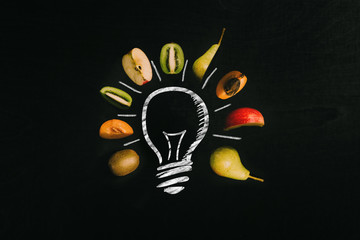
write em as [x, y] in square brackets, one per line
[137, 66]
[244, 117]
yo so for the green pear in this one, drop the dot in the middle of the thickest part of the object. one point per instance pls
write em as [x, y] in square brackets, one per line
[225, 162]
[202, 63]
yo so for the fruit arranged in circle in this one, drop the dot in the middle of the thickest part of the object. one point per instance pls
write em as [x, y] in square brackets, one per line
[171, 58]
[115, 129]
[224, 161]
[230, 84]
[116, 97]
[124, 162]
[137, 66]
[244, 117]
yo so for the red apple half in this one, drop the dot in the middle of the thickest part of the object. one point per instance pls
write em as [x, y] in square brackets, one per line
[244, 117]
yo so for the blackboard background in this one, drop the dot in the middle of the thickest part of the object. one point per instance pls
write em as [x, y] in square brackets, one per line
[302, 63]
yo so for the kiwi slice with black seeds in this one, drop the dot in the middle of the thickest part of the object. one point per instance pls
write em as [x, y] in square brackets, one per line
[171, 58]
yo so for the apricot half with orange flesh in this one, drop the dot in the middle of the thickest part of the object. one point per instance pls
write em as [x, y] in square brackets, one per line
[230, 84]
[115, 129]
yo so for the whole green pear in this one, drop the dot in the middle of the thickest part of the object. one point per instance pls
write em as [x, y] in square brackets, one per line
[202, 63]
[225, 161]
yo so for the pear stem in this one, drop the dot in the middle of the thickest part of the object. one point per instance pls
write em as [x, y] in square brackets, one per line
[257, 179]
[222, 34]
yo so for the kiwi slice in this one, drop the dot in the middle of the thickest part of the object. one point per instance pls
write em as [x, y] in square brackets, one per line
[171, 58]
[116, 97]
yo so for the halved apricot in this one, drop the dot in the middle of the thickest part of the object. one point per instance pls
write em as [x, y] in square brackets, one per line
[230, 84]
[115, 129]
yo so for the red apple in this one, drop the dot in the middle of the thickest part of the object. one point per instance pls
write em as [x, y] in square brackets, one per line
[244, 117]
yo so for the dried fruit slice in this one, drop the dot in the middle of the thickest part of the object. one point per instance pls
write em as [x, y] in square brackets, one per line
[115, 129]
[230, 84]
[244, 117]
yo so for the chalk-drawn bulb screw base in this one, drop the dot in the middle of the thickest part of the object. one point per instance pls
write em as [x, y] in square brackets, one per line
[185, 164]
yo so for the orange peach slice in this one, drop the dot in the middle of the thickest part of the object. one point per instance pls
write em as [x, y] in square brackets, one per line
[115, 129]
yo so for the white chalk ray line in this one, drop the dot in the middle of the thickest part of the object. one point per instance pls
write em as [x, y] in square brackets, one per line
[183, 73]
[128, 143]
[133, 89]
[126, 115]
[228, 137]
[208, 78]
[174, 171]
[173, 190]
[175, 164]
[223, 107]
[156, 71]
[173, 181]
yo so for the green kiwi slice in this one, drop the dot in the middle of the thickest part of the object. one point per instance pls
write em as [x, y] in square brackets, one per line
[171, 58]
[116, 97]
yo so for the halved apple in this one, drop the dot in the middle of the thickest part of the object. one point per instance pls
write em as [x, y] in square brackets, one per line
[244, 117]
[137, 66]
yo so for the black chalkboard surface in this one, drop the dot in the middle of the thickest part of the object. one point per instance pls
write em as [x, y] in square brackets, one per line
[302, 63]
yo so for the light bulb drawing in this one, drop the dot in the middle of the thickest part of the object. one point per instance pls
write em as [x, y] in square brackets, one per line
[185, 164]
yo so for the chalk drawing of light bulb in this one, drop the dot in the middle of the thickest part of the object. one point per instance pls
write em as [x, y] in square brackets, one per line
[181, 164]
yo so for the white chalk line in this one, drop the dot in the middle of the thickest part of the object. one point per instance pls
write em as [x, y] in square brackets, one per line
[174, 171]
[225, 136]
[173, 190]
[173, 181]
[167, 135]
[156, 71]
[126, 115]
[169, 144]
[175, 164]
[183, 73]
[133, 89]
[208, 78]
[128, 143]
[221, 108]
